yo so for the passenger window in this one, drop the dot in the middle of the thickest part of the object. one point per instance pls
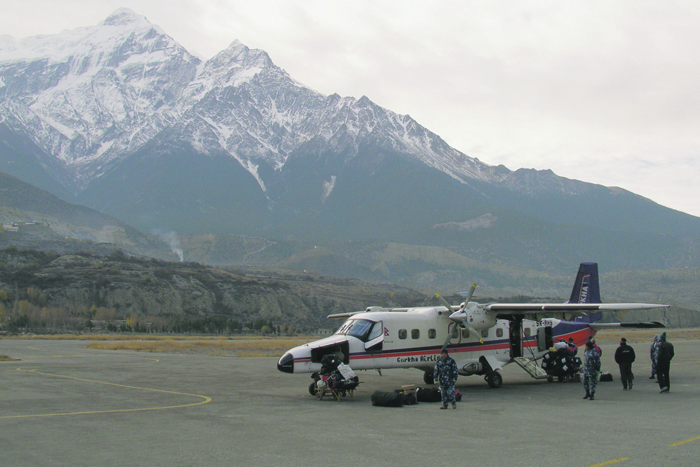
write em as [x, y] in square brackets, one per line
[455, 332]
[527, 331]
[499, 332]
[465, 333]
[432, 334]
[415, 333]
[403, 333]
[484, 333]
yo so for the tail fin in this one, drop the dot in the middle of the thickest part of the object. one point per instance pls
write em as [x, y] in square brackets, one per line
[587, 290]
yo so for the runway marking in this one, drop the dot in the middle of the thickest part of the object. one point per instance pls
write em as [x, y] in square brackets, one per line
[685, 441]
[205, 399]
[614, 461]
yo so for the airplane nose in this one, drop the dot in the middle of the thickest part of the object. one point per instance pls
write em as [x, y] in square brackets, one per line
[286, 363]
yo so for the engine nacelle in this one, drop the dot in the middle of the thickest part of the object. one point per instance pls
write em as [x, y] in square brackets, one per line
[475, 318]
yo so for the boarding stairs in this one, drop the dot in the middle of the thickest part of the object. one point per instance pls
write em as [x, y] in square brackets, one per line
[530, 365]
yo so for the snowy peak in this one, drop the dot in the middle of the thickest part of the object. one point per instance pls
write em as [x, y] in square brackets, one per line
[91, 97]
[124, 16]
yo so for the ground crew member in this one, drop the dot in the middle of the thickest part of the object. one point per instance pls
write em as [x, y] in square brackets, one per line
[446, 373]
[652, 355]
[664, 354]
[624, 356]
[591, 367]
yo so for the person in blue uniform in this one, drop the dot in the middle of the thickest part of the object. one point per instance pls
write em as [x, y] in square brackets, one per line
[652, 354]
[591, 367]
[446, 373]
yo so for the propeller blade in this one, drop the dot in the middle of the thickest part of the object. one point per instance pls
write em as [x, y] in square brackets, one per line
[471, 292]
[449, 337]
[473, 331]
[444, 303]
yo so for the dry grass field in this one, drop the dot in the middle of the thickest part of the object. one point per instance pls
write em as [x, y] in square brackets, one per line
[257, 346]
[236, 346]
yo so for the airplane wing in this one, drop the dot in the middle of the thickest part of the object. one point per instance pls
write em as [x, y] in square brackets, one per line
[649, 325]
[560, 310]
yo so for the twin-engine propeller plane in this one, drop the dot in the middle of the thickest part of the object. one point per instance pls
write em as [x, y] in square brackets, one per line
[482, 338]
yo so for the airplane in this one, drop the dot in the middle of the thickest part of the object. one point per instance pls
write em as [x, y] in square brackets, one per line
[481, 338]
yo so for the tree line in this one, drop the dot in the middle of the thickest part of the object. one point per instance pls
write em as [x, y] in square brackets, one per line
[31, 314]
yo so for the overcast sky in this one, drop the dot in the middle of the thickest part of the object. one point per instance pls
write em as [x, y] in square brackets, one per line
[601, 91]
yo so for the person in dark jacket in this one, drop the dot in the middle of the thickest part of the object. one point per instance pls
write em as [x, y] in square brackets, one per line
[664, 354]
[624, 356]
[446, 373]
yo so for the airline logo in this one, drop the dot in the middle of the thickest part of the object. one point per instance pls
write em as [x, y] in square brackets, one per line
[583, 294]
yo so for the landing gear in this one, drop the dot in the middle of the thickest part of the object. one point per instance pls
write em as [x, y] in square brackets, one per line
[428, 377]
[494, 380]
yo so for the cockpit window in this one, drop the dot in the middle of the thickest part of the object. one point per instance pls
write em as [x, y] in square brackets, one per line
[360, 328]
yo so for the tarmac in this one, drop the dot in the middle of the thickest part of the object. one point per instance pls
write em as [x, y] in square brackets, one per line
[61, 404]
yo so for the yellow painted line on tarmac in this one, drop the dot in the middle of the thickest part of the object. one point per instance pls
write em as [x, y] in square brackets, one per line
[614, 461]
[685, 441]
[205, 399]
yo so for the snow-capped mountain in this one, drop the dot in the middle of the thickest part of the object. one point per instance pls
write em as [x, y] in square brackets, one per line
[90, 96]
[93, 95]
[121, 118]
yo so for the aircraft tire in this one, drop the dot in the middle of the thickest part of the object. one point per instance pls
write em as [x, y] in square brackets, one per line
[312, 389]
[494, 380]
[428, 377]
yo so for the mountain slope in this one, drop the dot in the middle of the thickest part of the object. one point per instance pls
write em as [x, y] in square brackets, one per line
[23, 203]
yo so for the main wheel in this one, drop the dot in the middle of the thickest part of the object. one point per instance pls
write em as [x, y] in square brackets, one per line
[494, 379]
[428, 377]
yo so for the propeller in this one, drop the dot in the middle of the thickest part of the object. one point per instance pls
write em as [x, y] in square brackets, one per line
[471, 292]
[463, 321]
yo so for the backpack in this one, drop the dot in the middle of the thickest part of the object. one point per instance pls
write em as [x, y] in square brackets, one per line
[428, 395]
[387, 399]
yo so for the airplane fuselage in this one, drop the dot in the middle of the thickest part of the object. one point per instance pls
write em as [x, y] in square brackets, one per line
[413, 338]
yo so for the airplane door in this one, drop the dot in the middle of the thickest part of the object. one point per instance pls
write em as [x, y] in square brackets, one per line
[516, 340]
[375, 340]
[545, 338]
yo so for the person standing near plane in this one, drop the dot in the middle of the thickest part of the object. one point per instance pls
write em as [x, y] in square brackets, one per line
[595, 346]
[624, 356]
[664, 354]
[446, 373]
[591, 367]
[652, 354]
